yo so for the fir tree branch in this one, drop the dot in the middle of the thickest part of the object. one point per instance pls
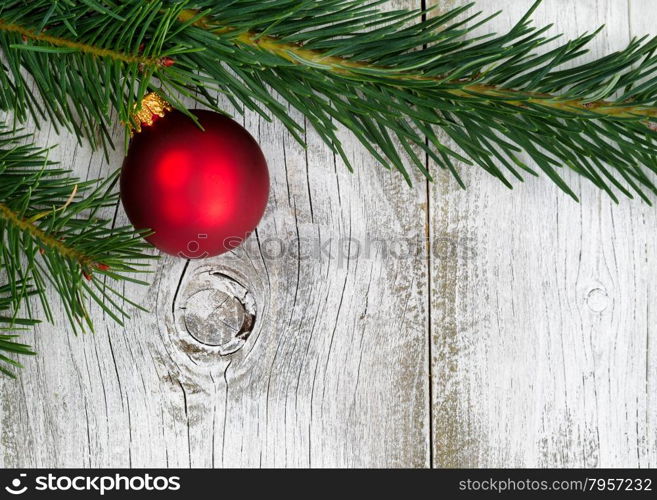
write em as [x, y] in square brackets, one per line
[392, 79]
[53, 236]
[44, 238]
[491, 95]
[299, 55]
[86, 61]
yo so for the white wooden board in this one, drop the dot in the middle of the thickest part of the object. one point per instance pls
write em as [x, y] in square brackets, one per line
[522, 336]
[543, 334]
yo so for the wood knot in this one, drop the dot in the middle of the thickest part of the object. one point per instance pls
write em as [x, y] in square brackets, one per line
[214, 313]
[597, 300]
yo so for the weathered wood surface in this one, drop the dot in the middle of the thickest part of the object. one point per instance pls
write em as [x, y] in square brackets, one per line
[523, 334]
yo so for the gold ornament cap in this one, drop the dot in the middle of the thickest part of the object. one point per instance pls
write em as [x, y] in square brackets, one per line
[153, 106]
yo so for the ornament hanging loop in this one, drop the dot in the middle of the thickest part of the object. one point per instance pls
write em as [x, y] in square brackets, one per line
[152, 106]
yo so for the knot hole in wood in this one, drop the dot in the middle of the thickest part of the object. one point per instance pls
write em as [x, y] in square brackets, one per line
[216, 311]
[597, 300]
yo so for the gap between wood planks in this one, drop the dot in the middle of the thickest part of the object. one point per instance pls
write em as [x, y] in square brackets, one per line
[427, 223]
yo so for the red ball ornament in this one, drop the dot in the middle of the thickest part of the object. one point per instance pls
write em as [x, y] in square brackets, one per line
[200, 191]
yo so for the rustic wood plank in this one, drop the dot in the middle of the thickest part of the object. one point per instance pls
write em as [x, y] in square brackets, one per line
[334, 373]
[543, 344]
[543, 325]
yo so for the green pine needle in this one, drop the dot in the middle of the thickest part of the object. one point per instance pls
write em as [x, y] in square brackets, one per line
[53, 238]
[347, 62]
[10, 347]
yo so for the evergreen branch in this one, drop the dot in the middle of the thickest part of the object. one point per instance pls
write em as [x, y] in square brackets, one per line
[90, 62]
[46, 240]
[344, 61]
[299, 55]
[391, 78]
[52, 234]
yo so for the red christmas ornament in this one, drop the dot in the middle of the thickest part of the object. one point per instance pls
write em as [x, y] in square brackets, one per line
[201, 192]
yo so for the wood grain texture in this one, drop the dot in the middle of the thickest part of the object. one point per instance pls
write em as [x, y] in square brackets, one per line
[523, 335]
[543, 330]
[334, 373]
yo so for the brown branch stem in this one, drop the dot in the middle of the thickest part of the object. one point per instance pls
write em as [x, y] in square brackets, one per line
[46, 240]
[28, 33]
